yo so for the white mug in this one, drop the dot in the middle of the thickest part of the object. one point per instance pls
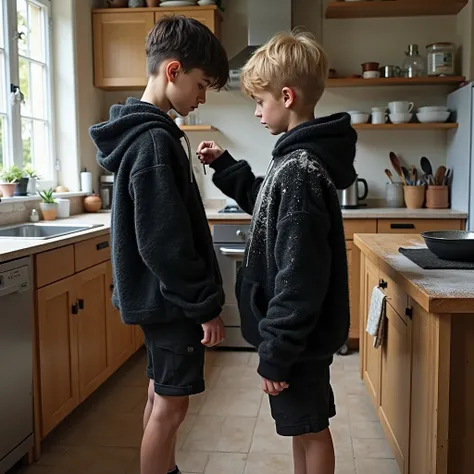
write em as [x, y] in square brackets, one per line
[400, 107]
[379, 117]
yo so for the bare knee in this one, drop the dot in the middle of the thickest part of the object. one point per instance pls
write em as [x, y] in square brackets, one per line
[169, 411]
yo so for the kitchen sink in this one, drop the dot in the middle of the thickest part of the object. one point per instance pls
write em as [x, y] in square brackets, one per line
[41, 231]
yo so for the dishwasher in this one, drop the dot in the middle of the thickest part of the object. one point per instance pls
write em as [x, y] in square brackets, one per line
[16, 361]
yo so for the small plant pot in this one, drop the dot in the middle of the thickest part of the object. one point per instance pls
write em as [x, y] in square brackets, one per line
[49, 210]
[437, 197]
[414, 196]
[152, 3]
[8, 189]
[22, 187]
[32, 185]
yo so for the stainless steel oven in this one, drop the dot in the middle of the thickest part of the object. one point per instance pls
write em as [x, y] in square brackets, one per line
[229, 245]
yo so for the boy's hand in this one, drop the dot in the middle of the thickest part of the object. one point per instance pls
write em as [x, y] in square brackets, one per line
[273, 388]
[208, 152]
[213, 332]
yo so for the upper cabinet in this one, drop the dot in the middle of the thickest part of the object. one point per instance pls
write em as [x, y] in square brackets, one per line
[119, 37]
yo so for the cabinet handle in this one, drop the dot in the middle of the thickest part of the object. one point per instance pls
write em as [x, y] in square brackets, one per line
[383, 284]
[112, 287]
[409, 312]
[102, 245]
[74, 309]
[407, 225]
[81, 303]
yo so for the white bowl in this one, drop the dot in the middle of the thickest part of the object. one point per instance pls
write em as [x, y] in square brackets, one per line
[400, 118]
[206, 2]
[359, 118]
[379, 109]
[433, 108]
[437, 116]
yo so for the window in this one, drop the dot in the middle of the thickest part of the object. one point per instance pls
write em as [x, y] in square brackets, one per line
[25, 86]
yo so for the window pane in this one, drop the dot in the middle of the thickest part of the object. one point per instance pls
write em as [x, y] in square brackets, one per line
[3, 151]
[36, 39]
[3, 83]
[22, 25]
[26, 137]
[2, 27]
[24, 66]
[37, 91]
[41, 154]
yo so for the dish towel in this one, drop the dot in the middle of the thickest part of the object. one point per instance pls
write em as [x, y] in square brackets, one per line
[376, 319]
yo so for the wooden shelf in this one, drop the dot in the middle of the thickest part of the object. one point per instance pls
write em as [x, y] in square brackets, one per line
[406, 126]
[393, 8]
[395, 81]
[198, 128]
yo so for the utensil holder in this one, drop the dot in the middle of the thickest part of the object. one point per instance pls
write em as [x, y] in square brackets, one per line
[414, 196]
[437, 197]
[394, 195]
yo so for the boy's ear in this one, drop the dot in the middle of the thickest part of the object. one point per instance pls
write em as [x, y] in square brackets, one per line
[172, 70]
[288, 95]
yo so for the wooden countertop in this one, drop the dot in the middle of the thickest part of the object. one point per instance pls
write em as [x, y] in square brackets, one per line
[436, 291]
[365, 213]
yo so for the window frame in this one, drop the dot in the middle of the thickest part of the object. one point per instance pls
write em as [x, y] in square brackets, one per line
[14, 146]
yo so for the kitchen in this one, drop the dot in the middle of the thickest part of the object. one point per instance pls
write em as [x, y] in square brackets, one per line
[227, 118]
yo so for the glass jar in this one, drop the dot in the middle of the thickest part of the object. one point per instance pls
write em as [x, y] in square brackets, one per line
[441, 59]
[414, 64]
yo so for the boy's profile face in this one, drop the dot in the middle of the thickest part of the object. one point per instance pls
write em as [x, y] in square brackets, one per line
[185, 90]
[272, 111]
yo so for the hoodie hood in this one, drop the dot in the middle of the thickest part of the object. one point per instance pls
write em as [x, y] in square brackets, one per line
[126, 123]
[332, 139]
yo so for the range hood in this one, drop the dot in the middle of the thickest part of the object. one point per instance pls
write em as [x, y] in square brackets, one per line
[265, 18]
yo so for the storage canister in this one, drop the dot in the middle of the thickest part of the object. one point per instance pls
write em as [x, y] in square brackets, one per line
[441, 59]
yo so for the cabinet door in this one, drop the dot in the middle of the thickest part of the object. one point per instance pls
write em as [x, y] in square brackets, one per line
[119, 48]
[204, 16]
[57, 352]
[395, 385]
[372, 356]
[120, 336]
[354, 329]
[92, 292]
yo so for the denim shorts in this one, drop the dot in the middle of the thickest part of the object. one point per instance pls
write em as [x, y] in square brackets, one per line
[175, 358]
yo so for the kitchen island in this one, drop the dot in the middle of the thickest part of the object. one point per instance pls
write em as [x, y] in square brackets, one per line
[421, 379]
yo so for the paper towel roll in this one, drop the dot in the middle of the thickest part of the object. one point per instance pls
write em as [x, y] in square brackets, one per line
[86, 181]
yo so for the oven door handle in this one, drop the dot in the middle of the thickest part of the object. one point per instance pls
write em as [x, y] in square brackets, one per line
[231, 252]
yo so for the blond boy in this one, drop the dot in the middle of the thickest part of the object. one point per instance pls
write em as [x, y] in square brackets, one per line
[293, 287]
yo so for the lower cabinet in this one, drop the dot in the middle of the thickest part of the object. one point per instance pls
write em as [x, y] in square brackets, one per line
[81, 341]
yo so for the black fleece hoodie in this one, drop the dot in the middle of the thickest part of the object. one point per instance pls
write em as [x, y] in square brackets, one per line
[163, 259]
[293, 287]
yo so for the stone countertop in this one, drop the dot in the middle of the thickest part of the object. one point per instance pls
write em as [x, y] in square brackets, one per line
[364, 213]
[17, 248]
[436, 291]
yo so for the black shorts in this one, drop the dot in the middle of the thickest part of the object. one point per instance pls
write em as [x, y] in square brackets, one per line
[175, 358]
[308, 403]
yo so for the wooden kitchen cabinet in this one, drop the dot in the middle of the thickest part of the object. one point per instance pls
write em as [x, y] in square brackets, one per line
[119, 38]
[121, 338]
[57, 352]
[395, 385]
[92, 293]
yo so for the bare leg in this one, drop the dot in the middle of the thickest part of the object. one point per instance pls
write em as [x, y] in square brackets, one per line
[161, 419]
[319, 452]
[299, 456]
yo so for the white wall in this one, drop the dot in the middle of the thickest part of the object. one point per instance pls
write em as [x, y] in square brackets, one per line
[349, 43]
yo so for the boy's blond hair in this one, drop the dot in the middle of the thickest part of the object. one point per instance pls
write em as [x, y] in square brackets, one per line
[294, 60]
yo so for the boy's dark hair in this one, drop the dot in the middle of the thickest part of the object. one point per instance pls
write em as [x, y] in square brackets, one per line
[192, 44]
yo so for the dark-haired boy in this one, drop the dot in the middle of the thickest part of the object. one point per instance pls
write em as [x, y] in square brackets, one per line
[165, 271]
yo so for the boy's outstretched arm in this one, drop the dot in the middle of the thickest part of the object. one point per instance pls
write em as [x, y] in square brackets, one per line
[165, 242]
[234, 178]
[303, 258]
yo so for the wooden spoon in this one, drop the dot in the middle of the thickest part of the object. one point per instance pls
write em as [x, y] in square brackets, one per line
[439, 175]
[389, 175]
[397, 166]
[413, 175]
[407, 176]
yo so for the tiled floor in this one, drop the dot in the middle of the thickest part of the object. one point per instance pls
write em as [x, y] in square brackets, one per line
[228, 430]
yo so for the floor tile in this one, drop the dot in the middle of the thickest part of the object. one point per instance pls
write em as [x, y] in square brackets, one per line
[191, 461]
[371, 448]
[226, 463]
[205, 434]
[232, 402]
[366, 429]
[259, 463]
[266, 440]
[238, 378]
[228, 359]
[360, 408]
[376, 466]
[236, 435]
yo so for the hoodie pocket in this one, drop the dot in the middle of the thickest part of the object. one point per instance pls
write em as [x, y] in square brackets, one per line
[252, 307]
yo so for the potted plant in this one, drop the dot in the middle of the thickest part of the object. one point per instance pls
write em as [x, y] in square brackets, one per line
[12, 182]
[33, 177]
[48, 207]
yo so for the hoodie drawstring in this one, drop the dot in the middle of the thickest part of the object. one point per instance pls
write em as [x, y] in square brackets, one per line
[188, 143]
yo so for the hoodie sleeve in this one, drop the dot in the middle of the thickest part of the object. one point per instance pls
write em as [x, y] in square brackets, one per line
[236, 180]
[165, 243]
[303, 258]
